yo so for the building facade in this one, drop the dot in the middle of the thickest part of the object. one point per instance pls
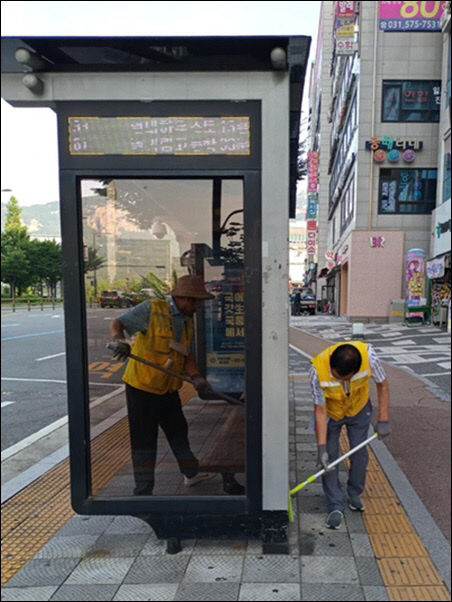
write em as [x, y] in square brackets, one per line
[380, 178]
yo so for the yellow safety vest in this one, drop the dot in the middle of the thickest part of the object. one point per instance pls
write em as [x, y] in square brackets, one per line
[154, 346]
[338, 403]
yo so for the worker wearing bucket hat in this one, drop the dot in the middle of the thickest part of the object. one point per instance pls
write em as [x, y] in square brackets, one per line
[163, 330]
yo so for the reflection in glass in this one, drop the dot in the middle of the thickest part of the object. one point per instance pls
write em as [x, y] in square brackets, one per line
[141, 236]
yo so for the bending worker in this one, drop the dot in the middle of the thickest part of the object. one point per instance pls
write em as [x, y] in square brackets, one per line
[164, 333]
[340, 387]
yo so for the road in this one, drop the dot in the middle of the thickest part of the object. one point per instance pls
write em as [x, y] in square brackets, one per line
[34, 368]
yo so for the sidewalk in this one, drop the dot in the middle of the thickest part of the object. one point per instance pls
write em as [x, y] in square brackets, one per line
[394, 551]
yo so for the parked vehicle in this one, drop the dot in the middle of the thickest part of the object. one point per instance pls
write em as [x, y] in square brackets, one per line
[114, 299]
[308, 302]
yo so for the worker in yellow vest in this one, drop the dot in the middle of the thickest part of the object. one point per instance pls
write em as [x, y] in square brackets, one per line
[339, 380]
[163, 330]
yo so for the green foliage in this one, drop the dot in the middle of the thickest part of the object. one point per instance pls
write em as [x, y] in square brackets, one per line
[93, 261]
[27, 262]
[160, 288]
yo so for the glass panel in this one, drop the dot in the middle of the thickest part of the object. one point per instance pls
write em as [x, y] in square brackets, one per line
[158, 435]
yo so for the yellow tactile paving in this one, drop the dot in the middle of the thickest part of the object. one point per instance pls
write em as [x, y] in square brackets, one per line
[36, 513]
[417, 593]
[404, 564]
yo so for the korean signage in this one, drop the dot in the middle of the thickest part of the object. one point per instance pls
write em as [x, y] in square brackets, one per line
[313, 171]
[415, 278]
[394, 149]
[377, 242]
[345, 28]
[313, 200]
[159, 136]
[225, 334]
[411, 16]
[311, 242]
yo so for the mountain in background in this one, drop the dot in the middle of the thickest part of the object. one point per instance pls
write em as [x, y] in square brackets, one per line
[42, 221]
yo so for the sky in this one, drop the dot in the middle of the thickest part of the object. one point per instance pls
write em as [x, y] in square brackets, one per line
[29, 157]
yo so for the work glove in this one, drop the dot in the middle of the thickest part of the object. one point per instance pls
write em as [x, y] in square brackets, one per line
[383, 428]
[201, 385]
[322, 456]
[123, 349]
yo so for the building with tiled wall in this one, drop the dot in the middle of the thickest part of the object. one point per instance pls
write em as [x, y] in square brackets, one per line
[380, 185]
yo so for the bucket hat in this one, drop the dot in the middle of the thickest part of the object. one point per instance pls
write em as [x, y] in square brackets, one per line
[191, 286]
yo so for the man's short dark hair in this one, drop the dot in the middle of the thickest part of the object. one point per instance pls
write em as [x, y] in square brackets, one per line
[345, 359]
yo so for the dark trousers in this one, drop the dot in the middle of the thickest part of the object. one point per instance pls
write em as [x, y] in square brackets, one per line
[147, 412]
[357, 431]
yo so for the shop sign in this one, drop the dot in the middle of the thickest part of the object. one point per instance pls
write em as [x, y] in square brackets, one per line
[345, 9]
[411, 16]
[329, 256]
[311, 242]
[311, 212]
[415, 277]
[435, 268]
[313, 171]
[377, 242]
[441, 229]
[394, 149]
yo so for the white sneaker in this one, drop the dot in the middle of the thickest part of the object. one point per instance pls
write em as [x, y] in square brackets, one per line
[201, 476]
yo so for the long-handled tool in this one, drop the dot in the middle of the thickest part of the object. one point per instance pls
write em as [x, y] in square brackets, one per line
[166, 370]
[315, 476]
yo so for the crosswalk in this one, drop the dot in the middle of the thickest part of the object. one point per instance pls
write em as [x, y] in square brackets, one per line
[424, 351]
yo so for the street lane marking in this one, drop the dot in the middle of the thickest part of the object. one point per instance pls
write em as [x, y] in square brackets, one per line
[35, 334]
[300, 351]
[48, 357]
[7, 403]
[20, 445]
[436, 374]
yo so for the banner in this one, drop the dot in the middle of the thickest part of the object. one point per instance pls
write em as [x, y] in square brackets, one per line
[313, 171]
[411, 16]
[415, 278]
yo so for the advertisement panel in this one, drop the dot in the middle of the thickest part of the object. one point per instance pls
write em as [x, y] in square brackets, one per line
[415, 278]
[411, 16]
[313, 171]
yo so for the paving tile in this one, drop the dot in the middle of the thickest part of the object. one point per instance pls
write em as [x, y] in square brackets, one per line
[325, 569]
[85, 525]
[355, 522]
[148, 591]
[325, 593]
[10, 594]
[208, 591]
[361, 544]
[312, 504]
[157, 569]
[128, 524]
[275, 568]
[270, 591]
[214, 568]
[85, 592]
[71, 546]
[368, 571]
[44, 571]
[118, 545]
[157, 547]
[328, 543]
[219, 546]
[100, 571]
[312, 522]
[375, 593]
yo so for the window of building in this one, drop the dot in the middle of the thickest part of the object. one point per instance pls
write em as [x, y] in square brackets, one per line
[411, 100]
[407, 191]
[446, 170]
[348, 205]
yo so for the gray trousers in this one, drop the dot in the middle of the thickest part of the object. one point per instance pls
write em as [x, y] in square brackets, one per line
[357, 432]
